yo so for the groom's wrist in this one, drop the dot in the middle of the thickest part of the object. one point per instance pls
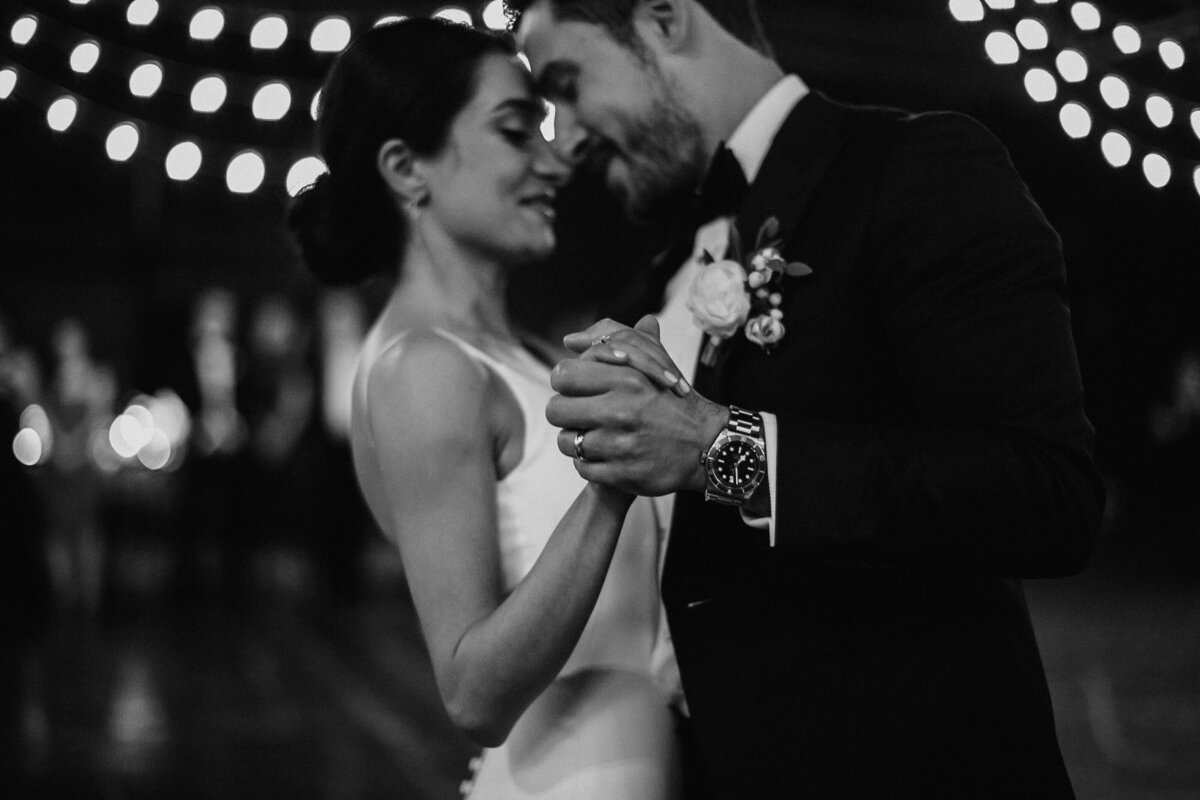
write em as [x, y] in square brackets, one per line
[713, 419]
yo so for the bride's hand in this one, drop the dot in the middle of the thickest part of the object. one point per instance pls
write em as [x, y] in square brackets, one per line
[639, 347]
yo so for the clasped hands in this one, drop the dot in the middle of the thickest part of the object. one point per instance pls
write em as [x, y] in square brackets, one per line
[624, 405]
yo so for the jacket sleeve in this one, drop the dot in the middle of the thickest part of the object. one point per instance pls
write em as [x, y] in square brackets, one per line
[993, 470]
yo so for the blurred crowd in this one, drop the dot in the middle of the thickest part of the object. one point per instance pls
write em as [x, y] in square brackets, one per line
[232, 481]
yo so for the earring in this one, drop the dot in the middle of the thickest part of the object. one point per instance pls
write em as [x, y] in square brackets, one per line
[413, 206]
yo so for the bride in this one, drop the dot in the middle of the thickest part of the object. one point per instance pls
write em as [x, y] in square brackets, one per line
[536, 592]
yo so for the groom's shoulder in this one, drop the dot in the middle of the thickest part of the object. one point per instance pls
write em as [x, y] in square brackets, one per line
[876, 126]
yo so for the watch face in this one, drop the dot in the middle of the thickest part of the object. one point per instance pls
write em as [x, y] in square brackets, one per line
[737, 464]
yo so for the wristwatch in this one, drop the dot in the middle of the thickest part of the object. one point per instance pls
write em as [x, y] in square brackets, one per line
[736, 462]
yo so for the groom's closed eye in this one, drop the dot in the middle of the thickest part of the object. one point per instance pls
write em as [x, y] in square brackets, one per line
[557, 82]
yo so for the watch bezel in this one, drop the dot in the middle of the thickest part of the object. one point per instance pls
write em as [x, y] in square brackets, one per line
[744, 490]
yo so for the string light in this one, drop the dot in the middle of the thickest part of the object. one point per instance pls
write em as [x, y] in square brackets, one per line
[495, 18]
[330, 35]
[1032, 34]
[1002, 48]
[1086, 16]
[209, 93]
[455, 14]
[1072, 65]
[966, 10]
[303, 174]
[85, 57]
[142, 12]
[1040, 85]
[246, 172]
[8, 82]
[24, 29]
[1172, 54]
[272, 101]
[1076, 120]
[1000, 5]
[1116, 148]
[122, 141]
[207, 24]
[62, 113]
[1157, 170]
[145, 80]
[1115, 91]
[1127, 39]
[269, 33]
[1159, 110]
[183, 161]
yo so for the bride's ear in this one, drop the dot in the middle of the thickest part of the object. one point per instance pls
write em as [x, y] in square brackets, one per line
[398, 167]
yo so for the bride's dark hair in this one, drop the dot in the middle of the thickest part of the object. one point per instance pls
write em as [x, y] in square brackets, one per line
[405, 80]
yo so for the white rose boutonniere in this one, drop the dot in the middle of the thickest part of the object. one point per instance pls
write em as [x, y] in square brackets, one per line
[718, 300]
[727, 296]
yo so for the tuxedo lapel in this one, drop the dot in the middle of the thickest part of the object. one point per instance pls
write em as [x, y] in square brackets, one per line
[799, 156]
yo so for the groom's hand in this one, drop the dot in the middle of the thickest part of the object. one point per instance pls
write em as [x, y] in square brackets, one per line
[636, 436]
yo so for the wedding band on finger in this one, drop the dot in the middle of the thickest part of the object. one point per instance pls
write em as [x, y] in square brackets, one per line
[602, 339]
[579, 446]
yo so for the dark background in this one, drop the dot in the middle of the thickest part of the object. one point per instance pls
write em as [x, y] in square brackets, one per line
[328, 695]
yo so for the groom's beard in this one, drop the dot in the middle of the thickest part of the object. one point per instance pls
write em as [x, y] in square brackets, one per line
[664, 160]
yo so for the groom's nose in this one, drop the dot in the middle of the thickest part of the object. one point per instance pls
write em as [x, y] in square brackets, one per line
[571, 139]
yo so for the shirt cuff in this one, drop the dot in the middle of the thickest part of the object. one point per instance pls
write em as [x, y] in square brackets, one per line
[770, 437]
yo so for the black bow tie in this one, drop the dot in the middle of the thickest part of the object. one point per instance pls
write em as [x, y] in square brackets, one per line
[722, 190]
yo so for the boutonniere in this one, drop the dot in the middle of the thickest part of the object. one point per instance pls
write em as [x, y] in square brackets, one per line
[743, 292]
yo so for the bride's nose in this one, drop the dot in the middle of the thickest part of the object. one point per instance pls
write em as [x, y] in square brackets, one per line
[550, 165]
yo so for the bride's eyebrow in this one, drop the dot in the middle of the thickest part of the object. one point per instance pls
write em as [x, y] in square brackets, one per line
[524, 106]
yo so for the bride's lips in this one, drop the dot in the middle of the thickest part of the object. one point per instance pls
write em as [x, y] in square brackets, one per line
[543, 202]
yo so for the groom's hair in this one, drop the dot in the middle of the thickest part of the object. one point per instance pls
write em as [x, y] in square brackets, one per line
[739, 17]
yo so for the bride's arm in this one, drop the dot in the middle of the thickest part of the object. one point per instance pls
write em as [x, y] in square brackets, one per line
[430, 414]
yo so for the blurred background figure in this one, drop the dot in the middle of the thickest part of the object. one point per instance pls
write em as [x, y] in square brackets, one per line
[209, 528]
[1172, 502]
[79, 407]
[281, 491]
[23, 588]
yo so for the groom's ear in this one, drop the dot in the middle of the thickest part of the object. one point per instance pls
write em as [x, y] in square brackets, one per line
[398, 167]
[667, 22]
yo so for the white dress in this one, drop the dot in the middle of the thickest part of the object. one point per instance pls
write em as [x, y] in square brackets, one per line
[603, 730]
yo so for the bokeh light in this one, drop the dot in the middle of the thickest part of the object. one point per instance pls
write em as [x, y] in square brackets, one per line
[207, 24]
[1115, 91]
[1086, 16]
[1127, 38]
[269, 33]
[455, 14]
[1195, 120]
[272, 101]
[547, 126]
[390, 19]
[27, 447]
[1072, 65]
[1159, 110]
[84, 57]
[245, 172]
[183, 161]
[1157, 170]
[122, 141]
[303, 173]
[962, 10]
[330, 35]
[209, 94]
[1002, 48]
[8, 82]
[1171, 53]
[1041, 85]
[62, 113]
[1076, 120]
[24, 29]
[1116, 148]
[314, 108]
[1001, 5]
[1196, 179]
[146, 79]
[1032, 34]
[495, 18]
[142, 12]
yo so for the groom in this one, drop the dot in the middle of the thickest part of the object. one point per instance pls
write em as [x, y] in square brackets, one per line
[886, 430]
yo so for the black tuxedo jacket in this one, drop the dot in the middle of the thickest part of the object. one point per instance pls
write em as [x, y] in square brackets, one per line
[932, 451]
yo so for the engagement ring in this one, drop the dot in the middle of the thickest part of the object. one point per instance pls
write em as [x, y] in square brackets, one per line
[579, 446]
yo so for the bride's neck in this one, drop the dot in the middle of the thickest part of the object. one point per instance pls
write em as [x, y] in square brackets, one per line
[445, 285]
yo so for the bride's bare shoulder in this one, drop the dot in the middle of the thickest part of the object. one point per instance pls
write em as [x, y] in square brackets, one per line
[422, 368]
